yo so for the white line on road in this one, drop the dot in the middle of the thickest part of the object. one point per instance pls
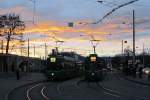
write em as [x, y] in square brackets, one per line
[111, 90]
[112, 94]
[30, 89]
[77, 84]
[42, 92]
[59, 90]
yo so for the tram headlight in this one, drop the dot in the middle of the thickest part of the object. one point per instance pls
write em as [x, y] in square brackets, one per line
[92, 74]
[52, 74]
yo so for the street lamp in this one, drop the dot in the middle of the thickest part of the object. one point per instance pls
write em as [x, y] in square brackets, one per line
[123, 46]
[133, 32]
[122, 52]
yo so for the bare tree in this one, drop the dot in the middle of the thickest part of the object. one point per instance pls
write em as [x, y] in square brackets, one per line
[10, 25]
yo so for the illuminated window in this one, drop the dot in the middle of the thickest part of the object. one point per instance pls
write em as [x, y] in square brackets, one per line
[93, 59]
[52, 59]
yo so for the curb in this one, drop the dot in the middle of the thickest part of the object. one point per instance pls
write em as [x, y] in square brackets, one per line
[138, 82]
[9, 92]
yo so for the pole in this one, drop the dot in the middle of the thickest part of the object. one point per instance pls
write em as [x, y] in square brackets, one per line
[21, 50]
[122, 48]
[34, 50]
[28, 49]
[28, 54]
[94, 49]
[56, 49]
[2, 46]
[133, 39]
[34, 9]
[122, 54]
[2, 53]
[143, 55]
[45, 51]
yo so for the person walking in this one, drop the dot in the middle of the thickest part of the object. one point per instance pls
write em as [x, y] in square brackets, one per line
[17, 73]
[140, 71]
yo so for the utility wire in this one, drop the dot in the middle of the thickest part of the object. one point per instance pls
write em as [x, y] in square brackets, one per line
[113, 10]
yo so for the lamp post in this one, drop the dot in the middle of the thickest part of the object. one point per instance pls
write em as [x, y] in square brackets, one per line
[133, 39]
[45, 51]
[122, 50]
[2, 46]
[28, 55]
[133, 32]
[143, 55]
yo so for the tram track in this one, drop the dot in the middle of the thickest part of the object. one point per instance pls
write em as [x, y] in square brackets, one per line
[28, 91]
[44, 95]
[113, 92]
[100, 89]
[124, 79]
[75, 84]
[74, 88]
[41, 92]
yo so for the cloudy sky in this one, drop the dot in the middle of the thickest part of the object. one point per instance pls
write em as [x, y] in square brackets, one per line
[51, 18]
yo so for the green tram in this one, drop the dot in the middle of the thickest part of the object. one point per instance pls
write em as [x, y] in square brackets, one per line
[63, 66]
[94, 68]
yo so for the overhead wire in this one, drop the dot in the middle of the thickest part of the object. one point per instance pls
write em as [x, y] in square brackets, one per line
[113, 10]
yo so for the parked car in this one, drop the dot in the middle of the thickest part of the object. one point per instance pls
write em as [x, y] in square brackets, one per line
[146, 71]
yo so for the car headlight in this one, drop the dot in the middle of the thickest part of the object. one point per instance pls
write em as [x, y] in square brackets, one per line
[52, 74]
[147, 71]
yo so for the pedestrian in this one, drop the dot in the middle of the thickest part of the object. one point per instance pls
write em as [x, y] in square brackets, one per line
[17, 74]
[140, 71]
[148, 77]
[134, 72]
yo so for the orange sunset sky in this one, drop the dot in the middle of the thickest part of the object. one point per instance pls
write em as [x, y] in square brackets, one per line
[50, 19]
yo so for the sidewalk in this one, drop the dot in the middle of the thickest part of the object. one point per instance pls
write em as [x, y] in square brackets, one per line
[8, 82]
[142, 80]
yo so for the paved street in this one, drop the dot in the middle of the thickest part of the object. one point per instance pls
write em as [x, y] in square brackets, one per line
[74, 50]
[113, 87]
[8, 82]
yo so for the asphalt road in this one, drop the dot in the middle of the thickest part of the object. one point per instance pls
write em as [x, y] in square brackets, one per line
[113, 87]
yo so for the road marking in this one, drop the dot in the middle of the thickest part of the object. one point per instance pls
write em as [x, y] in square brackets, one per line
[42, 92]
[77, 84]
[111, 90]
[112, 94]
[115, 93]
[30, 89]
[108, 89]
[58, 89]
